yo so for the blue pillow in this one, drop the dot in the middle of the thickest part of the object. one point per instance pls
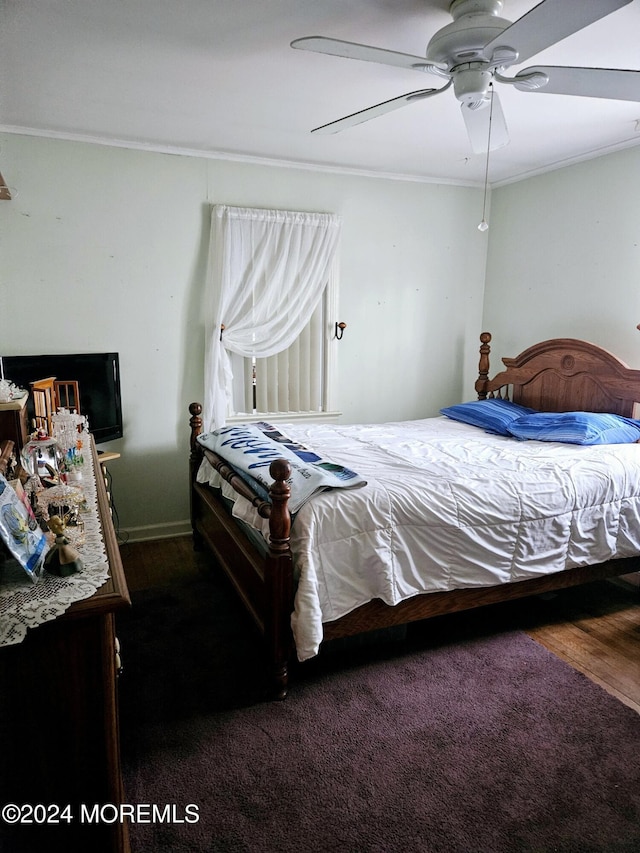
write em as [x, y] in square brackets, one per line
[576, 428]
[490, 415]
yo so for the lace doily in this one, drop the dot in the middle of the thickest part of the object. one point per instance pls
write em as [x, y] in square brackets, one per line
[24, 604]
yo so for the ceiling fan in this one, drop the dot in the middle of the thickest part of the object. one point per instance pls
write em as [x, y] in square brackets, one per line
[472, 53]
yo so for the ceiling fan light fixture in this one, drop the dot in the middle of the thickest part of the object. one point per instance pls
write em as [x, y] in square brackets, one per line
[471, 86]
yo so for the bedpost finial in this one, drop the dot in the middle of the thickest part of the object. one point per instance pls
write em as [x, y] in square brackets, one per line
[280, 470]
[195, 422]
[483, 366]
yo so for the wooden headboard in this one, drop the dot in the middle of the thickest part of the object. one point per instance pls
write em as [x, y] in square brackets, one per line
[562, 375]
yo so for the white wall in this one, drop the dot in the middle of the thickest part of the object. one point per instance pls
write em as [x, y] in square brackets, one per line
[104, 249]
[564, 258]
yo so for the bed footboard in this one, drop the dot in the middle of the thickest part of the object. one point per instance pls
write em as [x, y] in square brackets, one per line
[263, 583]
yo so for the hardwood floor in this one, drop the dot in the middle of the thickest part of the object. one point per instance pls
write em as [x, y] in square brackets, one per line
[595, 628]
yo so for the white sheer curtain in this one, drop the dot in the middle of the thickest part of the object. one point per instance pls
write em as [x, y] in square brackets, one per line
[267, 272]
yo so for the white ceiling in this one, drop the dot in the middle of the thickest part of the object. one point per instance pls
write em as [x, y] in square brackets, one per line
[218, 77]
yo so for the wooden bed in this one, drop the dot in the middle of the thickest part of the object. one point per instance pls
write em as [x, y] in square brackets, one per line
[556, 375]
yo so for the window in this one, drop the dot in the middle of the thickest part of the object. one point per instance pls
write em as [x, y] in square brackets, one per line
[272, 283]
[298, 381]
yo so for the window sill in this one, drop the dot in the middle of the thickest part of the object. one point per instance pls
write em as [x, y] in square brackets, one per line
[285, 417]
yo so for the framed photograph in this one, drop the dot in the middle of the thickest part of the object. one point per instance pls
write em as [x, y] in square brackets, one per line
[20, 532]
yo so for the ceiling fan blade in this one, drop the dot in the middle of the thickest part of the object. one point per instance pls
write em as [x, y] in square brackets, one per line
[353, 50]
[548, 23]
[477, 123]
[616, 84]
[377, 110]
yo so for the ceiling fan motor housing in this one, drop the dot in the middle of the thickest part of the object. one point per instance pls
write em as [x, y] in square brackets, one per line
[475, 24]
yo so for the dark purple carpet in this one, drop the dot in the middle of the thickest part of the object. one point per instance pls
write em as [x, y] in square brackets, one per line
[453, 740]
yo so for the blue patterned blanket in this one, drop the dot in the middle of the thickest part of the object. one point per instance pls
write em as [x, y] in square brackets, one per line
[252, 447]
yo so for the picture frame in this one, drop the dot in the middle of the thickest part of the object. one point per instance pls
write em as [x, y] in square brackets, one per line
[20, 532]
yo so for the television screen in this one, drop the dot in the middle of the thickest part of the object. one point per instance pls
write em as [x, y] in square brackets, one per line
[98, 378]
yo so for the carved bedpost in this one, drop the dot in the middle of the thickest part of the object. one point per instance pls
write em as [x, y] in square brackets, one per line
[195, 422]
[195, 458]
[483, 366]
[279, 578]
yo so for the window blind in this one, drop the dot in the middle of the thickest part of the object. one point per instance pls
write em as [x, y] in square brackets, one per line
[291, 380]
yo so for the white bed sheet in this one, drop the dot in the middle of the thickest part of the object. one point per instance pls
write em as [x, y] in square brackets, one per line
[480, 510]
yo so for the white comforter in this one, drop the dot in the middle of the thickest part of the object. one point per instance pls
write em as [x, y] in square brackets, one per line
[449, 506]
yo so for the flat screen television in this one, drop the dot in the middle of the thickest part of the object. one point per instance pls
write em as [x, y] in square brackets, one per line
[98, 378]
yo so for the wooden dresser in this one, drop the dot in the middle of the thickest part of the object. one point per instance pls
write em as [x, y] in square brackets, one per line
[59, 734]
